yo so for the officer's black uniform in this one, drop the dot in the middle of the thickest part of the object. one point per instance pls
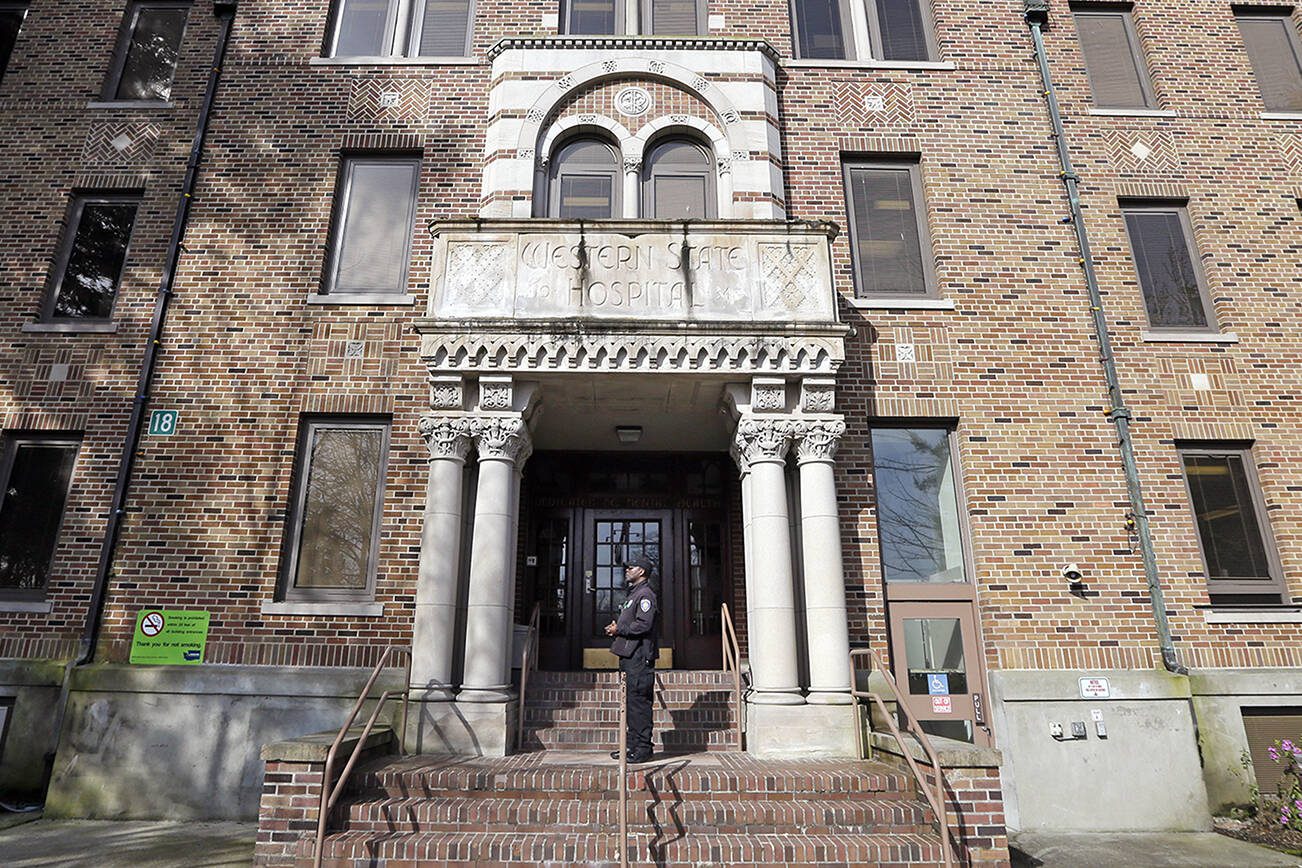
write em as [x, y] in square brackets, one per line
[637, 644]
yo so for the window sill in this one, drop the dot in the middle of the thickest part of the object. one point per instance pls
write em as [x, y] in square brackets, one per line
[361, 298]
[71, 328]
[1190, 337]
[342, 609]
[902, 303]
[1133, 113]
[395, 61]
[130, 104]
[38, 607]
[1260, 616]
[1281, 116]
[799, 63]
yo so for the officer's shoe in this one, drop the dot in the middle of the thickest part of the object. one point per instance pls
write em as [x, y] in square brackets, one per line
[638, 758]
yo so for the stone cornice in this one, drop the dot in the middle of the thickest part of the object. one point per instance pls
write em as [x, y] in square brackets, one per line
[624, 42]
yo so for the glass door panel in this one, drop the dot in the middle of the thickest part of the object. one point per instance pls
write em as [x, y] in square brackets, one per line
[936, 664]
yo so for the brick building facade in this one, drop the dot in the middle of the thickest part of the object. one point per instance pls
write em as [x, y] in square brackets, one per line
[511, 342]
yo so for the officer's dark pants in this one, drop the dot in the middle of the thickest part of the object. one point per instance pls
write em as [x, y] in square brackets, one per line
[641, 675]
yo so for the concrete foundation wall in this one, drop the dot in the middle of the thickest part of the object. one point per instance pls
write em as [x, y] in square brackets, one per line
[1144, 776]
[800, 731]
[34, 686]
[182, 743]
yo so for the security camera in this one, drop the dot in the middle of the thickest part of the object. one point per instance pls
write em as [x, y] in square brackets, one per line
[1072, 574]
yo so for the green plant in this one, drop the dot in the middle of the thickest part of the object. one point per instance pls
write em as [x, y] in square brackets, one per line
[1287, 753]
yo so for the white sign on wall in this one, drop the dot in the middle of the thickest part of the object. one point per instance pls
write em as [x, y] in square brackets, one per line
[1094, 688]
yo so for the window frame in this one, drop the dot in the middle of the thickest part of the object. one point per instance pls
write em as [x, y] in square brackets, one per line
[402, 28]
[553, 176]
[1126, 12]
[348, 161]
[416, 25]
[647, 24]
[293, 537]
[928, 32]
[72, 223]
[20, 7]
[927, 251]
[1275, 586]
[10, 443]
[710, 174]
[621, 20]
[130, 17]
[1287, 15]
[1181, 209]
[847, 34]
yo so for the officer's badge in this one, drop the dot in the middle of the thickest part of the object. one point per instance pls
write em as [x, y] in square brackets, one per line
[646, 605]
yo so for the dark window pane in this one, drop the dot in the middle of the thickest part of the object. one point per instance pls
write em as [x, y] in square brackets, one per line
[1110, 61]
[1166, 269]
[11, 21]
[888, 246]
[34, 497]
[337, 526]
[445, 28]
[705, 579]
[150, 61]
[917, 505]
[1275, 62]
[903, 29]
[375, 235]
[363, 26]
[1227, 518]
[674, 18]
[820, 29]
[94, 266]
[551, 579]
[596, 17]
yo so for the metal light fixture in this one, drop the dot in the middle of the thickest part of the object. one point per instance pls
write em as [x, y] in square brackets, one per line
[628, 433]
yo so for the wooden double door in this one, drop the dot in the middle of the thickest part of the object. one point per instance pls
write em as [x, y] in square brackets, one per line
[576, 547]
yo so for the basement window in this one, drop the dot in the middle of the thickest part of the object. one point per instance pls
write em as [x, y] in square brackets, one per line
[37, 473]
[1263, 727]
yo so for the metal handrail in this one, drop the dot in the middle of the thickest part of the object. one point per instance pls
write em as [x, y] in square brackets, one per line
[528, 663]
[937, 799]
[331, 795]
[732, 663]
[623, 769]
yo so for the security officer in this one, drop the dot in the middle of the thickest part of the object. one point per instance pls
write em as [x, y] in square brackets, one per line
[637, 644]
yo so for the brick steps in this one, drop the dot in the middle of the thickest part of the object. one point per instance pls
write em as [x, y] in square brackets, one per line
[357, 849]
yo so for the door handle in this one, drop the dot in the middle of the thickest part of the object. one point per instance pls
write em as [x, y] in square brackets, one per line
[588, 584]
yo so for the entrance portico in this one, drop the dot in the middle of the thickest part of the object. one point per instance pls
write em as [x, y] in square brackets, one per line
[736, 356]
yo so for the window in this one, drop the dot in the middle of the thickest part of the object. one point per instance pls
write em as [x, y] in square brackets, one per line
[901, 30]
[422, 28]
[36, 473]
[90, 262]
[1173, 286]
[820, 29]
[1237, 552]
[888, 234]
[11, 21]
[679, 181]
[585, 181]
[374, 211]
[918, 523]
[1273, 48]
[145, 61]
[674, 17]
[336, 515]
[1263, 727]
[593, 17]
[1118, 77]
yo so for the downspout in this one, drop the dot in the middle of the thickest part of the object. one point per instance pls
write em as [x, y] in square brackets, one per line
[224, 10]
[1037, 17]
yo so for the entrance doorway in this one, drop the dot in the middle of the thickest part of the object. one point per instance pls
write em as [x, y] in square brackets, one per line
[589, 513]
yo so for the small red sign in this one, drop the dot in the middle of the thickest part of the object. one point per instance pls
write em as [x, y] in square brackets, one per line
[942, 705]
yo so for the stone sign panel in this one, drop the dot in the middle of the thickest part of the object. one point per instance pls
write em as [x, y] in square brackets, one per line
[708, 274]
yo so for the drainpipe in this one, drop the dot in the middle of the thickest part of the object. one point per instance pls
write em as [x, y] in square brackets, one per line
[1037, 17]
[224, 10]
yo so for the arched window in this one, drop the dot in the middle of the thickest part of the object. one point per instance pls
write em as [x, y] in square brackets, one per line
[584, 183]
[678, 181]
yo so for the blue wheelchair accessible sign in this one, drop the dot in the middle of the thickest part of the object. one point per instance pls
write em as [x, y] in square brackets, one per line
[938, 684]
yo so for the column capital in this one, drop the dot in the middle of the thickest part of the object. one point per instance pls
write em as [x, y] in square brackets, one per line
[761, 440]
[817, 439]
[502, 438]
[448, 437]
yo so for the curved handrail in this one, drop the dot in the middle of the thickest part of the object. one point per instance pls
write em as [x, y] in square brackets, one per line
[732, 663]
[528, 663]
[936, 800]
[331, 795]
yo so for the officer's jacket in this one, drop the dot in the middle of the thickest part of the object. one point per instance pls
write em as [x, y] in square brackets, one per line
[637, 631]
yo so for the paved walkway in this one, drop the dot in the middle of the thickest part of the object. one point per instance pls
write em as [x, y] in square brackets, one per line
[1142, 850]
[126, 844]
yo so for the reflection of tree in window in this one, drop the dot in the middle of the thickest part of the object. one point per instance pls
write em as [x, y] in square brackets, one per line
[917, 505]
[150, 61]
[1166, 269]
[95, 260]
[33, 502]
[338, 522]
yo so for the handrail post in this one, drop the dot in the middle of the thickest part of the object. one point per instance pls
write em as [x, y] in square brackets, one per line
[623, 769]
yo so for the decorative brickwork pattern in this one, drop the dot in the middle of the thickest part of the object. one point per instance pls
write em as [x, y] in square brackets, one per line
[114, 143]
[385, 100]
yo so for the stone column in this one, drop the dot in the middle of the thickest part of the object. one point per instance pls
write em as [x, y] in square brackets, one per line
[632, 185]
[504, 445]
[826, 624]
[770, 602]
[434, 629]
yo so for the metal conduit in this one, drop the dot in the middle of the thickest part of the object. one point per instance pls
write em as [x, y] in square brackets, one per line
[1037, 17]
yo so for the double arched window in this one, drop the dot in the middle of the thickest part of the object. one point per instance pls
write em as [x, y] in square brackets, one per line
[677, 183]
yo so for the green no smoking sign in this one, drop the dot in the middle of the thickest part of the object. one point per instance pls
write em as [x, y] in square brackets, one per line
[163, 422]
[169, 637]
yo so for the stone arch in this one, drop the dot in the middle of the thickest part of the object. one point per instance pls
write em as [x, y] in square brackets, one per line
[564, 126]
[696, 128]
